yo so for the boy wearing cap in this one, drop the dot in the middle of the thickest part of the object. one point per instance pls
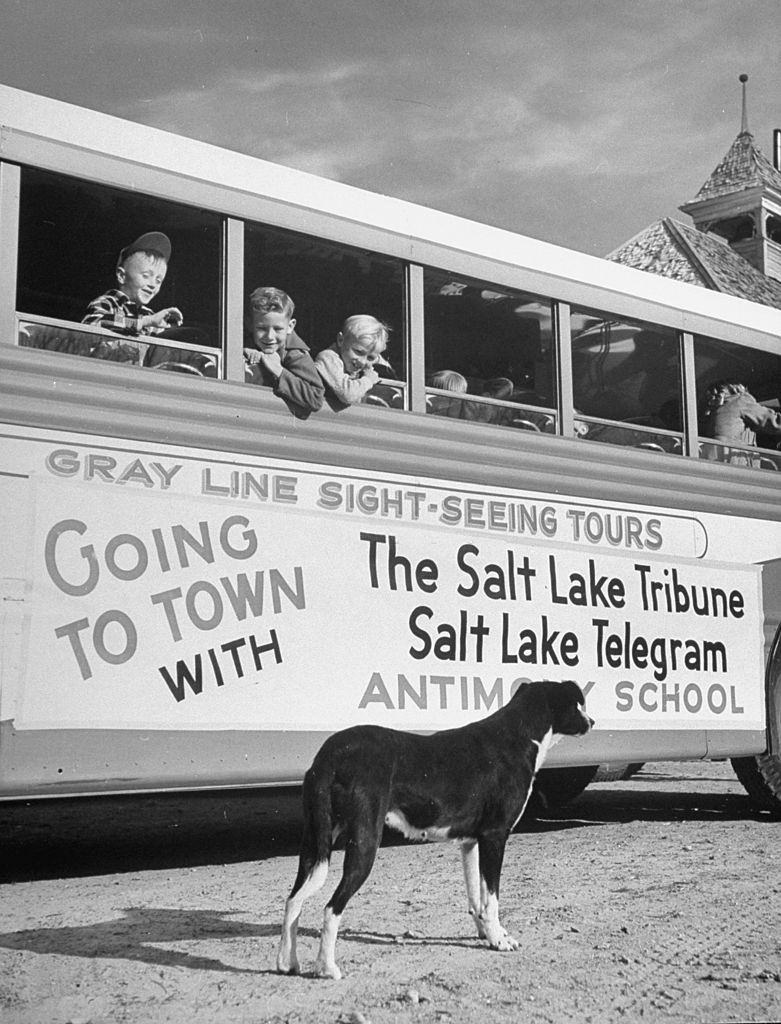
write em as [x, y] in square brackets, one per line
[141, 270]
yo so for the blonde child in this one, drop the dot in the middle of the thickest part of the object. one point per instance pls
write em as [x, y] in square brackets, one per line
[447, 380]
[348, 366]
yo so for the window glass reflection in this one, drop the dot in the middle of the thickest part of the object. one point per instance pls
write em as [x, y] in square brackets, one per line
[489, 354]
[626, 382]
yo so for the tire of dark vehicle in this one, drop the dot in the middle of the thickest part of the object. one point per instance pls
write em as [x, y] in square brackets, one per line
[617, 771]
[760, 775]
[556, 786]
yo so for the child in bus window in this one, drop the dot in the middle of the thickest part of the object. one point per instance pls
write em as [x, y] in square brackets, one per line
[348, 366]
[500, 388]
[446, 380]
[731, 415]
[140, 272]
[277, 357]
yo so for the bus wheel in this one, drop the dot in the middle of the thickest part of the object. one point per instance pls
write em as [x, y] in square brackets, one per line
[556, 786]
[761, 775]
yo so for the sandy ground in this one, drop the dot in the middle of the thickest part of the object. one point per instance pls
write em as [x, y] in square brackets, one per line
[655, 899]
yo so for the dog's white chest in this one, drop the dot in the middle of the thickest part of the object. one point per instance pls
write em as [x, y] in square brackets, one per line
[544, 745]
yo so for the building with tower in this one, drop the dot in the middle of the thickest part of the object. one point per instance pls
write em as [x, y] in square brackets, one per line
[734, 244]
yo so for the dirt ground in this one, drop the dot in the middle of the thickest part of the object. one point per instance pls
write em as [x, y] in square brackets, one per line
[653, 899]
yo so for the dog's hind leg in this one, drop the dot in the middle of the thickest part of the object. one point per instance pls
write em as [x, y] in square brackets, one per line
[313, 860]
[470, 862]
[311, 878]
[491, 852]
[359, 854]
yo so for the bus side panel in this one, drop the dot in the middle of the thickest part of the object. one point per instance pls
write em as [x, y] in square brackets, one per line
[727, 743]
[72, 762]
[15, 530]
[116, 720]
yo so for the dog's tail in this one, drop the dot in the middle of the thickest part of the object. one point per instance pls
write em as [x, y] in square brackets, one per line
[318, 836]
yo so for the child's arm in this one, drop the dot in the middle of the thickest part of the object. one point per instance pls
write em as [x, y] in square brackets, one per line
[349, 390]
[102, 312]
[298, 380]
[105, 312]
[762, 419]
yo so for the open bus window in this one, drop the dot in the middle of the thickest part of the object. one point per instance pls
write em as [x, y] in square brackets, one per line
[489, 353]
[328, 282]
[626, 382]
[70, 235]
[738, 404]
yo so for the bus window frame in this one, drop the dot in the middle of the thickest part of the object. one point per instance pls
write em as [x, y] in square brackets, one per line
[235, 206]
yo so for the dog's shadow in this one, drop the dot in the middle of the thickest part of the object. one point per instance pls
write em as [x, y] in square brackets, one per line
[135, 936]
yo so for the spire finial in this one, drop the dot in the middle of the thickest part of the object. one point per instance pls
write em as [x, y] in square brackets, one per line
[744, 115]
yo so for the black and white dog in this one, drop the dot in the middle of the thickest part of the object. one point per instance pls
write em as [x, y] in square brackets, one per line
[469, 784]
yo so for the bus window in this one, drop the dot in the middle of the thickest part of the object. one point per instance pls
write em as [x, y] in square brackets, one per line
[329, 282]
[626, 382]
[71, 233]
[738, 399]
[489, 354]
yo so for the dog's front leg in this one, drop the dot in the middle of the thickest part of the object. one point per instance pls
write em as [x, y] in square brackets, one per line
[491, 854]
[470, 862]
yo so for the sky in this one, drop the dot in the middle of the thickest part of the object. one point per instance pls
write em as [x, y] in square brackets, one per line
[579, 122]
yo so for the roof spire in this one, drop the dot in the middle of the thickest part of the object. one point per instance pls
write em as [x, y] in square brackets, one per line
[744, 115]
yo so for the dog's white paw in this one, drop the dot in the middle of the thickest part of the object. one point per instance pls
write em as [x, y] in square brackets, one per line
[288, 965]
[326, 970]
[505, 942]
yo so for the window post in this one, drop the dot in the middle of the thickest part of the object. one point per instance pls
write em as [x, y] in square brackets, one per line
[691, 447]
[413, 336]
[232, 298]
[563, 369]
[10, 178]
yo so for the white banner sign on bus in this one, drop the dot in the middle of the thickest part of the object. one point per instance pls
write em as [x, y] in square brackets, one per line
[154, 611]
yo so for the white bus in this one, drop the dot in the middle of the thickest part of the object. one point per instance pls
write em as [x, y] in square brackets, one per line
[200, 580]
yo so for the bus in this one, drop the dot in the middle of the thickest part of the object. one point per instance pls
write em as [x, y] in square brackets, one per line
[201, 581]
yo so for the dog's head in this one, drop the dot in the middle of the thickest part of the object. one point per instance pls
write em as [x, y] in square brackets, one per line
[567, 704]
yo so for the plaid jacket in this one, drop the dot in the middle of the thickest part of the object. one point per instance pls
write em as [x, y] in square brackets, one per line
[114, 311]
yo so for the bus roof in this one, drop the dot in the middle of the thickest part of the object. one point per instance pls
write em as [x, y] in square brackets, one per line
[24, 114]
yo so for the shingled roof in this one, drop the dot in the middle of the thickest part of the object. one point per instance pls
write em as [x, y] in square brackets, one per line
[744, 166]
[684, 253]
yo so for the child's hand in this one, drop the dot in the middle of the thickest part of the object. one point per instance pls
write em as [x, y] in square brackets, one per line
[371, 374]
[252, 356]
[272, 362]
[171, 317]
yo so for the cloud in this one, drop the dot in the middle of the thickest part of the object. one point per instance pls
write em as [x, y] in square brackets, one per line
[577, 121]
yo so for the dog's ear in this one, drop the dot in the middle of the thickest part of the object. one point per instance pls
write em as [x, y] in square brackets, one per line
[563, 694]
[572, 691]
[567, 701]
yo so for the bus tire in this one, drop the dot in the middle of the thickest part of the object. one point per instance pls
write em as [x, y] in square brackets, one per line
[554, 787]
[760, 776]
